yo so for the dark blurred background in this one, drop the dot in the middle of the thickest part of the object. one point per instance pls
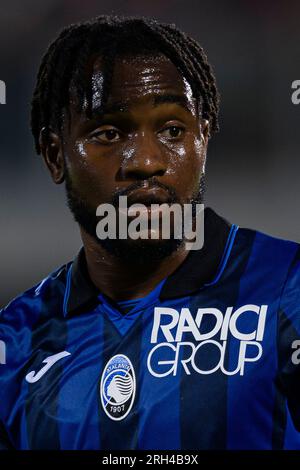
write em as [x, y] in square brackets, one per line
[253, 163]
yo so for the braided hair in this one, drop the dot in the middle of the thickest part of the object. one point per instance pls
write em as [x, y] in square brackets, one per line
[63, 67]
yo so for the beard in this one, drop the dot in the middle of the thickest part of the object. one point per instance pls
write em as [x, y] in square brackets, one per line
[140, 251]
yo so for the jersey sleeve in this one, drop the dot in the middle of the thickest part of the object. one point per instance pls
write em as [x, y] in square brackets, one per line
[289, 340]
[5, 443]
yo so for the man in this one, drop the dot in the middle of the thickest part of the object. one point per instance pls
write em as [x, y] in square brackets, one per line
[142, 343]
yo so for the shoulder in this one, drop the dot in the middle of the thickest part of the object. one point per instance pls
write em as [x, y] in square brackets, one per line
[278, 263]
[20, 318]
[263, 239]
[264, 262]
[25, 309]
[270, 250]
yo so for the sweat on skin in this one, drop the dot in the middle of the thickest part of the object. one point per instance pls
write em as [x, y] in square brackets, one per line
[149, 141]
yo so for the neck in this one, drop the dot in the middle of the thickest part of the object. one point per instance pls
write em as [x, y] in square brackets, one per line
[112, 277]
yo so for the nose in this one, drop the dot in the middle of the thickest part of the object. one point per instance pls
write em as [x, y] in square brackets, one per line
[144, 159]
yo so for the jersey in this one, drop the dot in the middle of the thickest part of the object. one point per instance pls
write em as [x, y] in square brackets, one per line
[207, 360]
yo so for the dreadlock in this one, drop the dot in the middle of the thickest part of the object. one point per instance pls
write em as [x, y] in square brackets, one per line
[63, 67]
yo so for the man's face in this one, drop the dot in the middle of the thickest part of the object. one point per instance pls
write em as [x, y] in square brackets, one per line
[149, 144]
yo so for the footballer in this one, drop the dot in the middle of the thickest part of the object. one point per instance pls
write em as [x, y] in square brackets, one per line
[141, 343]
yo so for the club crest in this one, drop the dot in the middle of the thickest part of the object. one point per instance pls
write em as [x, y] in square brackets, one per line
[117, 388]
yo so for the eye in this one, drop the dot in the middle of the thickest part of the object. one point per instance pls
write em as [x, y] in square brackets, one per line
[109, 135]
[172, 132]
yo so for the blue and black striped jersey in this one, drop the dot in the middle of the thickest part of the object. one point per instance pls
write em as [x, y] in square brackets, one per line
[208, 360]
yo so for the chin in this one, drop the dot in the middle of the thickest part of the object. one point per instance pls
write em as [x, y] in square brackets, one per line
[141, 251]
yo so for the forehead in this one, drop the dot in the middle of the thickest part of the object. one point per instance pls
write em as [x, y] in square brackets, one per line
[139, 78]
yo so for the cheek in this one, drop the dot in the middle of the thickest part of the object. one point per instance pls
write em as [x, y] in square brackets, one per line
[187, 164]
[198, 157]
[92, 174]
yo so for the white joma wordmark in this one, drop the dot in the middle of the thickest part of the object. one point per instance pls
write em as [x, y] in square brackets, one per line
[34, 376]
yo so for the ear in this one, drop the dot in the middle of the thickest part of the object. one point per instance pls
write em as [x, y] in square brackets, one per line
[204, 129]
[51, 149]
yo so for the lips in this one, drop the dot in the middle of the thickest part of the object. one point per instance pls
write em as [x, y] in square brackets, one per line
[140, 202]
[148, 196]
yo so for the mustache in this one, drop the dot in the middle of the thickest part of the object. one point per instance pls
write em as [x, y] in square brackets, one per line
[152, 183]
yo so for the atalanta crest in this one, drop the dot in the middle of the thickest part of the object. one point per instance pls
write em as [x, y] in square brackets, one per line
[117, 388]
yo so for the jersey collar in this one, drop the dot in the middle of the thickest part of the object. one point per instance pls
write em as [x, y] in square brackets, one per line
[200, 268]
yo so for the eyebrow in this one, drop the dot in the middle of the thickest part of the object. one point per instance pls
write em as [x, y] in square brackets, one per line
[119, 107]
